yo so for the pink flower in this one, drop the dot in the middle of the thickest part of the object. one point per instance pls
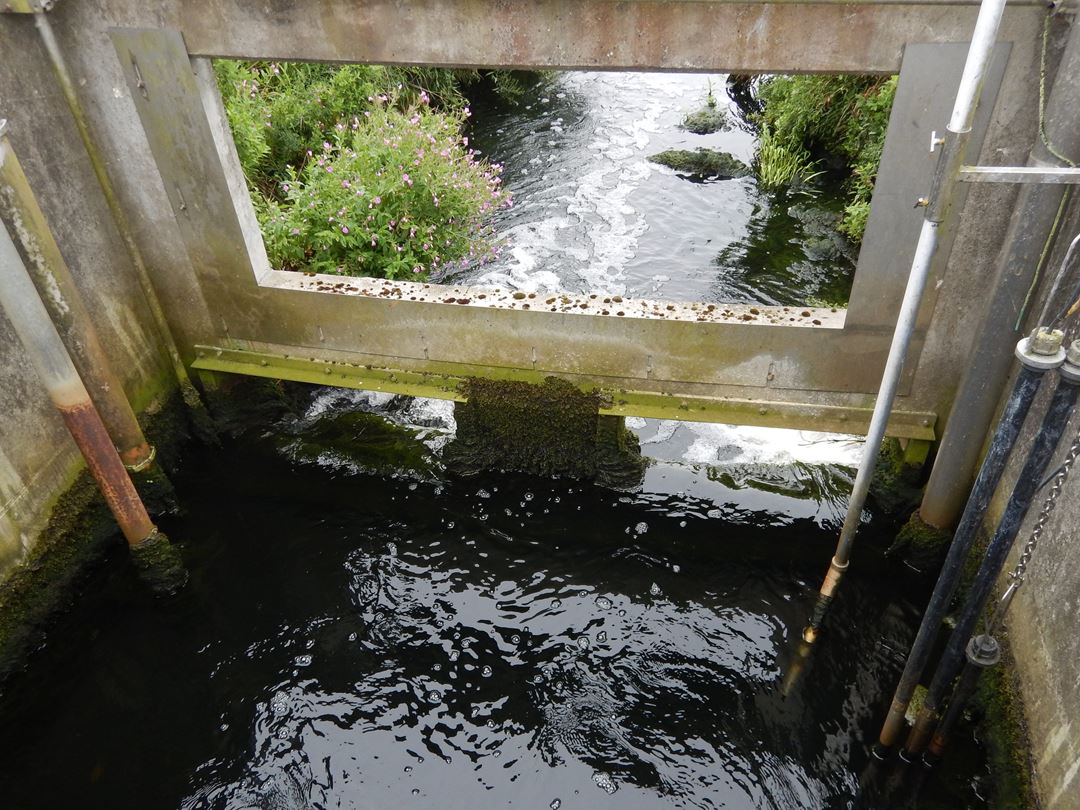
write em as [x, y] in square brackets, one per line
[406, 179]
[376, 200]
[345, 229]
[346, 184]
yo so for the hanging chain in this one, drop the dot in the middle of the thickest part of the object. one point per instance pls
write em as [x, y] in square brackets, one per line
[1017, 576]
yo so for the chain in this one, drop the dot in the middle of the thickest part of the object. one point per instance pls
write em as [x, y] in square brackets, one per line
[1017, 576]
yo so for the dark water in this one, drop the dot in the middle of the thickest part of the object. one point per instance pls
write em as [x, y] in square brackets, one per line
[387, 641]
[593, 214]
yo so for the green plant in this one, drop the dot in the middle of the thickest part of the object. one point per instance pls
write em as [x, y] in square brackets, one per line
[360, 170]
[780, 164]
[843, 117]
[394, 193]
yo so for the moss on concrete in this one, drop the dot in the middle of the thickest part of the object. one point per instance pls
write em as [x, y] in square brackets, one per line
[920, 545]
[548, 429]
[896, 485]
[702, 163]
[1004, 732]
[79, 531]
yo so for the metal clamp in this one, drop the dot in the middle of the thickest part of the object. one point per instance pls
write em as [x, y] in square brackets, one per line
[146, 462]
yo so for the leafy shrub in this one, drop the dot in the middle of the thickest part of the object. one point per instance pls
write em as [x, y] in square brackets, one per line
[845, 117]
[360, 169]
[395, 194]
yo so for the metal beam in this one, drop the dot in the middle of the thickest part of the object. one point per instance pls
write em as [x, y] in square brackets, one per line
[621, 402]
[1019, 174]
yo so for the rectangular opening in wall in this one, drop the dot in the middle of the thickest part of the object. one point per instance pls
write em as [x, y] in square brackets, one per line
[656, 187]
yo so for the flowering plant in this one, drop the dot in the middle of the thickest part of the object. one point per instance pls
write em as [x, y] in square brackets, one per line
[393, 191]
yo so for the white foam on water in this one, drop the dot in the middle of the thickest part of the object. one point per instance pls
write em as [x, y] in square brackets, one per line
[730, 444]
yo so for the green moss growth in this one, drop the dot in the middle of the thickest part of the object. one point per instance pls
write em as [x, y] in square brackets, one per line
[1003, 730]
[707, 120]
[159, 564]
[919, 544]
[547, 429]
[79, 531]
[364, 441]
[702, 163]
[896, 484]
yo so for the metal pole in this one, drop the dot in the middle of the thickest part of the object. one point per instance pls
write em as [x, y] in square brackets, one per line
[1031, 227]
[57, 290]
[28, 316]
[63, 77]
[1046, 441]
[1037, 355]
[945, 178]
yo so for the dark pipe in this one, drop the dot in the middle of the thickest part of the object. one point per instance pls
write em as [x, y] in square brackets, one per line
[1046, 441]
[1008, 428]
[982, 652]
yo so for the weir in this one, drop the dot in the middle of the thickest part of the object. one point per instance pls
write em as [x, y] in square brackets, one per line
[117, 142]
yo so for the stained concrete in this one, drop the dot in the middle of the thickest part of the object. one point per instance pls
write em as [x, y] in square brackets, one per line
[37, 459]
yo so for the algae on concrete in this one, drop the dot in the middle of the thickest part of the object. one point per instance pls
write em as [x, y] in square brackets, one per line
[920, 545]
[548, 429]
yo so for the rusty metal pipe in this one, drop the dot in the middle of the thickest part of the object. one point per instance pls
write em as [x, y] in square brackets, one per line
[28, 316]
[56, 287]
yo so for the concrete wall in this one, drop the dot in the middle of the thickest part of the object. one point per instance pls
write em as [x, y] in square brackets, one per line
[38, 460]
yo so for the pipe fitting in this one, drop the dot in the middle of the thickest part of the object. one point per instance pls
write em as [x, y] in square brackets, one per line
[1070, 369]
[1045, 342]
[983, 651]
[1042, 349]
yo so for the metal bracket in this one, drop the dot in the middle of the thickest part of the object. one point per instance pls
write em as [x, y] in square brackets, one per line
[1018, 174]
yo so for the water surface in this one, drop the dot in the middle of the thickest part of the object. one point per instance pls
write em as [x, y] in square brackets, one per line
[592, 214]
[357, 638]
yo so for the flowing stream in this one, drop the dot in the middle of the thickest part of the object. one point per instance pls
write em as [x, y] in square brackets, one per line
[593, 214]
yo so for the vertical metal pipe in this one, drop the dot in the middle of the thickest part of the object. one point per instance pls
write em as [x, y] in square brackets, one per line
[1032, 224]
[1032, 370]
[41, 256]
[46, 351]
[1046, 441]
[959, 129]
[63, 77]
[982, 652]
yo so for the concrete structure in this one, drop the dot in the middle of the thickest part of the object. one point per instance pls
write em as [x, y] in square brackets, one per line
[141, 72]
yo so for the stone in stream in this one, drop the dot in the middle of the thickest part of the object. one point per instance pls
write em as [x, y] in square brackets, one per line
[702, 163]
[707, 120]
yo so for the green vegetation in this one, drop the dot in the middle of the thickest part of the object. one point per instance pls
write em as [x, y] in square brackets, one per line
[838, 118]
[362, 170]
[708, 119]
[702, 162]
